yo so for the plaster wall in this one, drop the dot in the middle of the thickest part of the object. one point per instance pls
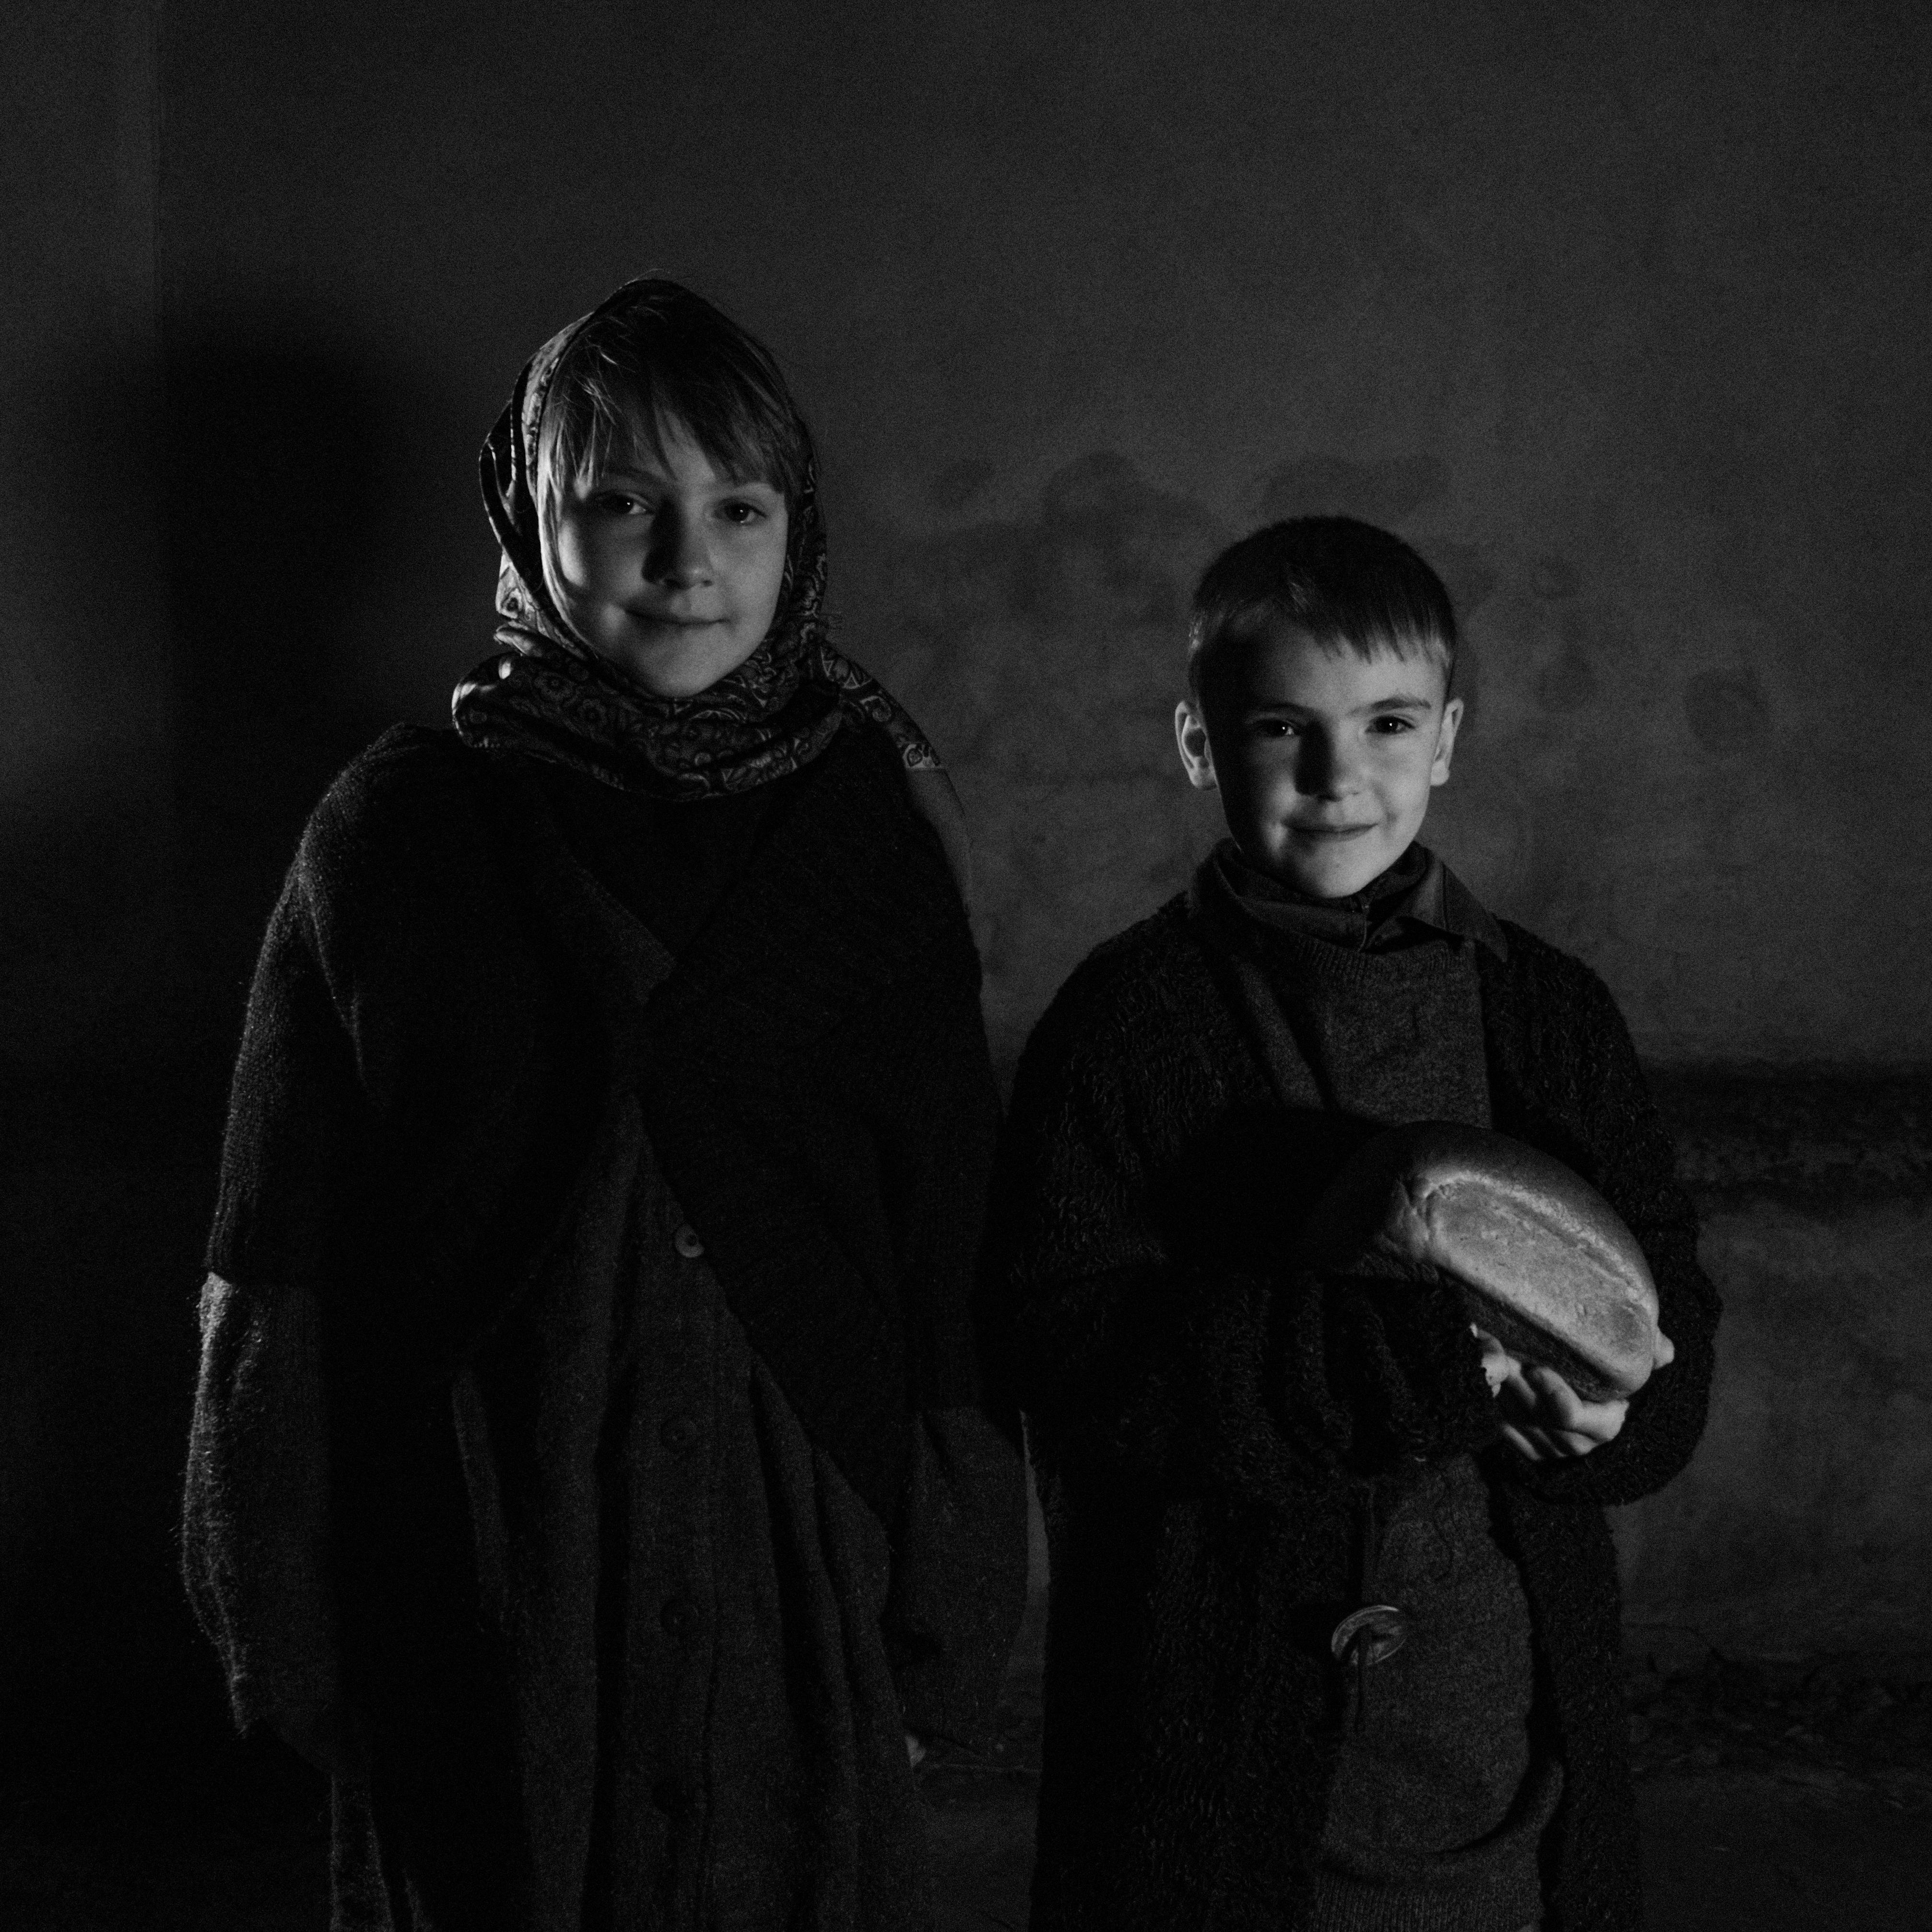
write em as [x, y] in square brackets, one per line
[1612, 310]
[1802, 1527]
[84, 729]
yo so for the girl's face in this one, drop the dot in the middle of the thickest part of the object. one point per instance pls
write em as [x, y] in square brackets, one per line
[667, 569]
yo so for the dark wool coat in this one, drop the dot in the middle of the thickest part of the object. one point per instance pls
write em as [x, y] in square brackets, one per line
[1207, 1424]
[636, 1293]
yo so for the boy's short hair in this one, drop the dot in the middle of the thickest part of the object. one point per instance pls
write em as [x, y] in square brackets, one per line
[661, 354]
[1347, 585]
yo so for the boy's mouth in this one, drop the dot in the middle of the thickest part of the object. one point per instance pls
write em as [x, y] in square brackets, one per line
[1330, 831]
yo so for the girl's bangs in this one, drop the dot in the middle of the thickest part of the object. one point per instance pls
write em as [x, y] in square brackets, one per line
[634, 419]
[616, 403]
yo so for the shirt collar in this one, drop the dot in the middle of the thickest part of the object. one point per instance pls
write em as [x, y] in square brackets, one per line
[1418, 890]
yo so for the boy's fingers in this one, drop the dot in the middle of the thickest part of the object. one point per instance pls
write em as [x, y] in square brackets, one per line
[1499, 1364]
[1665, 1352]
[1568, 1414]
[1549, 1445]
[1606, 1421]
[1552, 1421]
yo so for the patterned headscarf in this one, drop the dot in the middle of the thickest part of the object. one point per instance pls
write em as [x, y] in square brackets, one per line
[546, 692]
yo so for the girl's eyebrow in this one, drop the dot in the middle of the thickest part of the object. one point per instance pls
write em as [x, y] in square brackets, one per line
[614, 473]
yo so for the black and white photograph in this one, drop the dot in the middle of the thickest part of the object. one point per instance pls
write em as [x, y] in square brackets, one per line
[966, 967]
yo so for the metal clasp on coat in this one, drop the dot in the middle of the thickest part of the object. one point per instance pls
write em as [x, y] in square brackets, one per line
[1375, 1632]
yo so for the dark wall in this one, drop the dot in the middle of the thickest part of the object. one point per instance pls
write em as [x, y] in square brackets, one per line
[1616, 311]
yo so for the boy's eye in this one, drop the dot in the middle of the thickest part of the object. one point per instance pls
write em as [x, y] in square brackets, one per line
[1389, 724]
[741, 513]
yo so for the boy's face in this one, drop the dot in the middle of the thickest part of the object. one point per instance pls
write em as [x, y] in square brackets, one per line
[667, 569]
[1325, 761]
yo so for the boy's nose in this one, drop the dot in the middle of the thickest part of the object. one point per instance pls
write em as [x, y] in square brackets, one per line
[1324, 769]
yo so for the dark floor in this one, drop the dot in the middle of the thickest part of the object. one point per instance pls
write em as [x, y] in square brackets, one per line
[1771, 1798]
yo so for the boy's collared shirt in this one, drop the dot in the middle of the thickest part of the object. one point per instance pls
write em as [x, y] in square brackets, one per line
[1416, 898]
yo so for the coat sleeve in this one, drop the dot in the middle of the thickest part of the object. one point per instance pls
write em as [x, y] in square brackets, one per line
[959, 1573]
[1127, 1349]
[297, 1116]
[255, 1519]
[1633, 1165]
[959, 1570]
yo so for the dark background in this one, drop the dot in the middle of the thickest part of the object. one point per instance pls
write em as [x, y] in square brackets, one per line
[1618, 311]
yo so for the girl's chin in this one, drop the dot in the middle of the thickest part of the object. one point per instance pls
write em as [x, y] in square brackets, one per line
[677, 662]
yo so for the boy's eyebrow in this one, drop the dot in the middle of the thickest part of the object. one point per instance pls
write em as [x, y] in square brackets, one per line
[1396, 700]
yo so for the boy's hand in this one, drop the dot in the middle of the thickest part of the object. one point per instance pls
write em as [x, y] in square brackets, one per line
[915, 1749]
[1546, 1419]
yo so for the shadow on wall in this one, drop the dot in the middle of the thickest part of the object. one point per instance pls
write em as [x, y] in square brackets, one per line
[267, 459]
[279, 503]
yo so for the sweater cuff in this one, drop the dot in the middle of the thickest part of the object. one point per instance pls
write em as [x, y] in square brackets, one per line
[959, 1581]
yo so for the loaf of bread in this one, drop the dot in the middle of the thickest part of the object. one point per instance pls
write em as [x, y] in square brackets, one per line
[1541, 1258]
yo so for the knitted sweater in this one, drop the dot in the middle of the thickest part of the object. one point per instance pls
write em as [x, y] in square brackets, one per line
[1207, 1425]
[1432, 1824]
[439, 1009]
[657, 1492]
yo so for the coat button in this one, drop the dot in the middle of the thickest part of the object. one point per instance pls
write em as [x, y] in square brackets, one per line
[686, 1242]
[680, 1432]
[680, 1618]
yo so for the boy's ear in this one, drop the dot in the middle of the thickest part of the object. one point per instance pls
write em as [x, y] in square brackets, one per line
[1445, 741]
[1197, 756]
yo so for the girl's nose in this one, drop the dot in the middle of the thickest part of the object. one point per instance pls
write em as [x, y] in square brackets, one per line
[679, 554]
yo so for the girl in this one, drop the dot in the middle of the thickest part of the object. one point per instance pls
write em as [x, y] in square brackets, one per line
[588, 1468]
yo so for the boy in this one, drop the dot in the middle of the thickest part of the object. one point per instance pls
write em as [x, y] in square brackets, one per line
[1236, 1452]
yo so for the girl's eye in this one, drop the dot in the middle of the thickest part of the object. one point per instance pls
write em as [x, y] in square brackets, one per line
[741, 513]
[620, 503]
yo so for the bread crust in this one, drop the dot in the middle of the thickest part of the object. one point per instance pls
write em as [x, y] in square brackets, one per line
[1542, 1261]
